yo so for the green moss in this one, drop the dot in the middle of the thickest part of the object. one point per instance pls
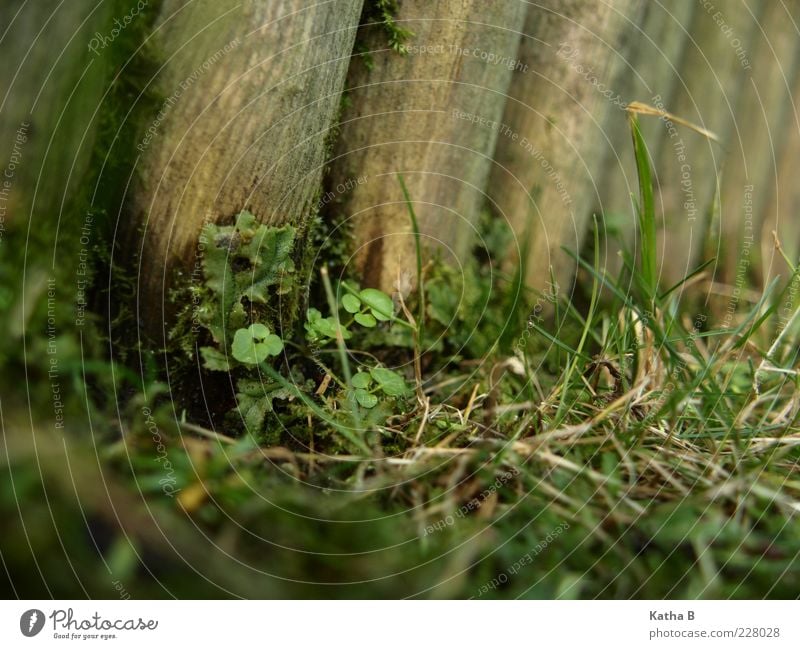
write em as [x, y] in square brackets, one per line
[130, 102]
[381, 14]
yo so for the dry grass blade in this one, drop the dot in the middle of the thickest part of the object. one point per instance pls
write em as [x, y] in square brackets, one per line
[640, 108]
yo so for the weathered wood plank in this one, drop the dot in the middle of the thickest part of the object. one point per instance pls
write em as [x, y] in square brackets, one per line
[251, 91]
[545, 179]
[50, 95]
[712, 77]
[782, 208]
[650, 75]
[763, 114]
[431, 115]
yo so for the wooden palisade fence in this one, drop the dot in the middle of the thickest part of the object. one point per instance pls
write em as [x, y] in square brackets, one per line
[511, 106]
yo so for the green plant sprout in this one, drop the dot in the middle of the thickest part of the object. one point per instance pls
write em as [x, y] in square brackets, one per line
[245, 267]
[255, 344]
[378, 379]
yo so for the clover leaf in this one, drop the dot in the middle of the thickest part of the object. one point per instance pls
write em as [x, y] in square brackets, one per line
[361, 380]
[380, 304]
[391, 383]
[365, 399]
[351, 303]
[254, 344]
[319, 328]
[365, 320]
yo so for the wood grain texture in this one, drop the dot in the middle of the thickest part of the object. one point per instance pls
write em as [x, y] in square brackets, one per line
[432, 116]
[763, 116]
[711, 81]
[251, 91]
[650, 74]
[545, 180]
[50, 92]
[781, 210]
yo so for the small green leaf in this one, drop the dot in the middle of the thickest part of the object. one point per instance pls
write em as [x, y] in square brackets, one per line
[351, 303]
[253, 411]
[365, 320]
[326, 327]
[345, 333]
[273, 344]
[214, 360]
[379, 303]
[254, 344]
[361, 380]
[321, 328]
[258, 331]
[366, 399]
[391, 382]
[244, 348]
[254, 399]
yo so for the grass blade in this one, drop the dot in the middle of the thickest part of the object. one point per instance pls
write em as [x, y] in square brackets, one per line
[645, 211]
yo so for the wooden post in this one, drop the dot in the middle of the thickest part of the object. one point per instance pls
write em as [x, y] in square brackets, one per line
[55, 76]
[251, 90]
[712, 77]
[763, 115]
[781, 209]
[650, 75]
[546, 171]
[432, 115]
